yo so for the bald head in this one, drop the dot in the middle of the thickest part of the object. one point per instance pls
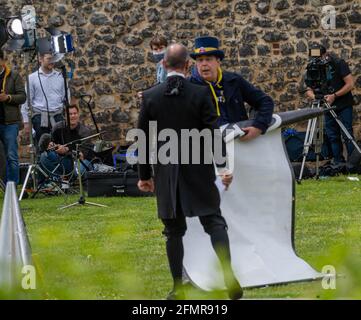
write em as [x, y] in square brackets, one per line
[176, 57]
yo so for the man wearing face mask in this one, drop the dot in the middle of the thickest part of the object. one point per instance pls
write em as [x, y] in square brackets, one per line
[158, 45]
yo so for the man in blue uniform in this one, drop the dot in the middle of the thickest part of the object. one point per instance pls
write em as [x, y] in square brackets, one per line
[230, 90]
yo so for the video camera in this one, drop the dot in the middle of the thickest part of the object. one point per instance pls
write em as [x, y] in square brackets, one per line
[19, 33]
[319, 72]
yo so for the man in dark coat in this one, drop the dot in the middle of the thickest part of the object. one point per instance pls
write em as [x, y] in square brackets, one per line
[185, 190]
[230, 90]
[12, 95]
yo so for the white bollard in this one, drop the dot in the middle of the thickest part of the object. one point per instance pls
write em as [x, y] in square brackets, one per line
[15, 251]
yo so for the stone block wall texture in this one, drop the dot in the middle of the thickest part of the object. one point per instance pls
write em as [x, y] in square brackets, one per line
[266, 41]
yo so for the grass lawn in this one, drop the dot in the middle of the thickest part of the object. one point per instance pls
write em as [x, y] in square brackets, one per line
[119, 252]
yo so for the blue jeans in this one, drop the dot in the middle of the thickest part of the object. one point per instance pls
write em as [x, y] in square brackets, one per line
[58, 165]
[39, 130]
[9, 138]
[334, 133]
[61, 165]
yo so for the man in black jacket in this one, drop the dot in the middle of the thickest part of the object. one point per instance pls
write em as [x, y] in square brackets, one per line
[12, 95]
[185, 190]
[340, 85]
[61, 154]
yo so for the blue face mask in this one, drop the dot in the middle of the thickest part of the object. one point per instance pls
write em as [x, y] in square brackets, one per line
[158, 56]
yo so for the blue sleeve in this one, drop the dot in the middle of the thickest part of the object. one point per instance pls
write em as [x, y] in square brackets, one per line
[260, 101]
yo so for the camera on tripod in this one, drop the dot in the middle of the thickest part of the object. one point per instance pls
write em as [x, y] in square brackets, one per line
[319, 72]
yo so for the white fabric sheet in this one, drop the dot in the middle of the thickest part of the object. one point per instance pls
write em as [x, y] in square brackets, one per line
[258, 208]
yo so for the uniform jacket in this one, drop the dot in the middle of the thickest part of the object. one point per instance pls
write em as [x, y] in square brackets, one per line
[237, 91]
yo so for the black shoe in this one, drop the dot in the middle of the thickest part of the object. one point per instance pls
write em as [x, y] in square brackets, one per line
[176, 294]
[235, 293]
[234, 289]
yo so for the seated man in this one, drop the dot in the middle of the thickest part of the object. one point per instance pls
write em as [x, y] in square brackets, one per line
[56, 149]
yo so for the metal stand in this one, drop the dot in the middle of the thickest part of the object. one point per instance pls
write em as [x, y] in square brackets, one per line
[81, 200]
[66, 98]
[314, 135]
[31, 171]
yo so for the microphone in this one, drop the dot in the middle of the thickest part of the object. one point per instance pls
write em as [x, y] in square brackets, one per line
[44, 141]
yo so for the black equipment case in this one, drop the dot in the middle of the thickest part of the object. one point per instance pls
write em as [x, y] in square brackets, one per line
[114, 184]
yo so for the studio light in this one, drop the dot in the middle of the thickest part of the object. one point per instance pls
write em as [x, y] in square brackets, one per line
[10, 28]
[19, 31]
[15, 28]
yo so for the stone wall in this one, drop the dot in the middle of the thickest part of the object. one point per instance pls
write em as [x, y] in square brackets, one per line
[266, 41]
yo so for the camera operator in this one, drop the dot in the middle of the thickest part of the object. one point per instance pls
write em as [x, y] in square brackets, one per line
[46, 96]
[55, 152]
[12, 94]
[340, 85]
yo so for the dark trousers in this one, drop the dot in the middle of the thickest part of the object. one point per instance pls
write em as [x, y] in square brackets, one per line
[39, 130]
[175, 229]
[334, 133]
[9, 138]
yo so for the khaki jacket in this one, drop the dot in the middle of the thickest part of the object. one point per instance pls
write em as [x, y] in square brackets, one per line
[13, 86]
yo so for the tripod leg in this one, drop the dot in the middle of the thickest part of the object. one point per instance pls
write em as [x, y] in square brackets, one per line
[2, 185]
[86, 202]
[96, 204]
[55, 186]
[70, 205]
[317, 166]
[343, 128]
[318, 145]
[81, 200]
[38, 189]
[30, 169]
[311, 126]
